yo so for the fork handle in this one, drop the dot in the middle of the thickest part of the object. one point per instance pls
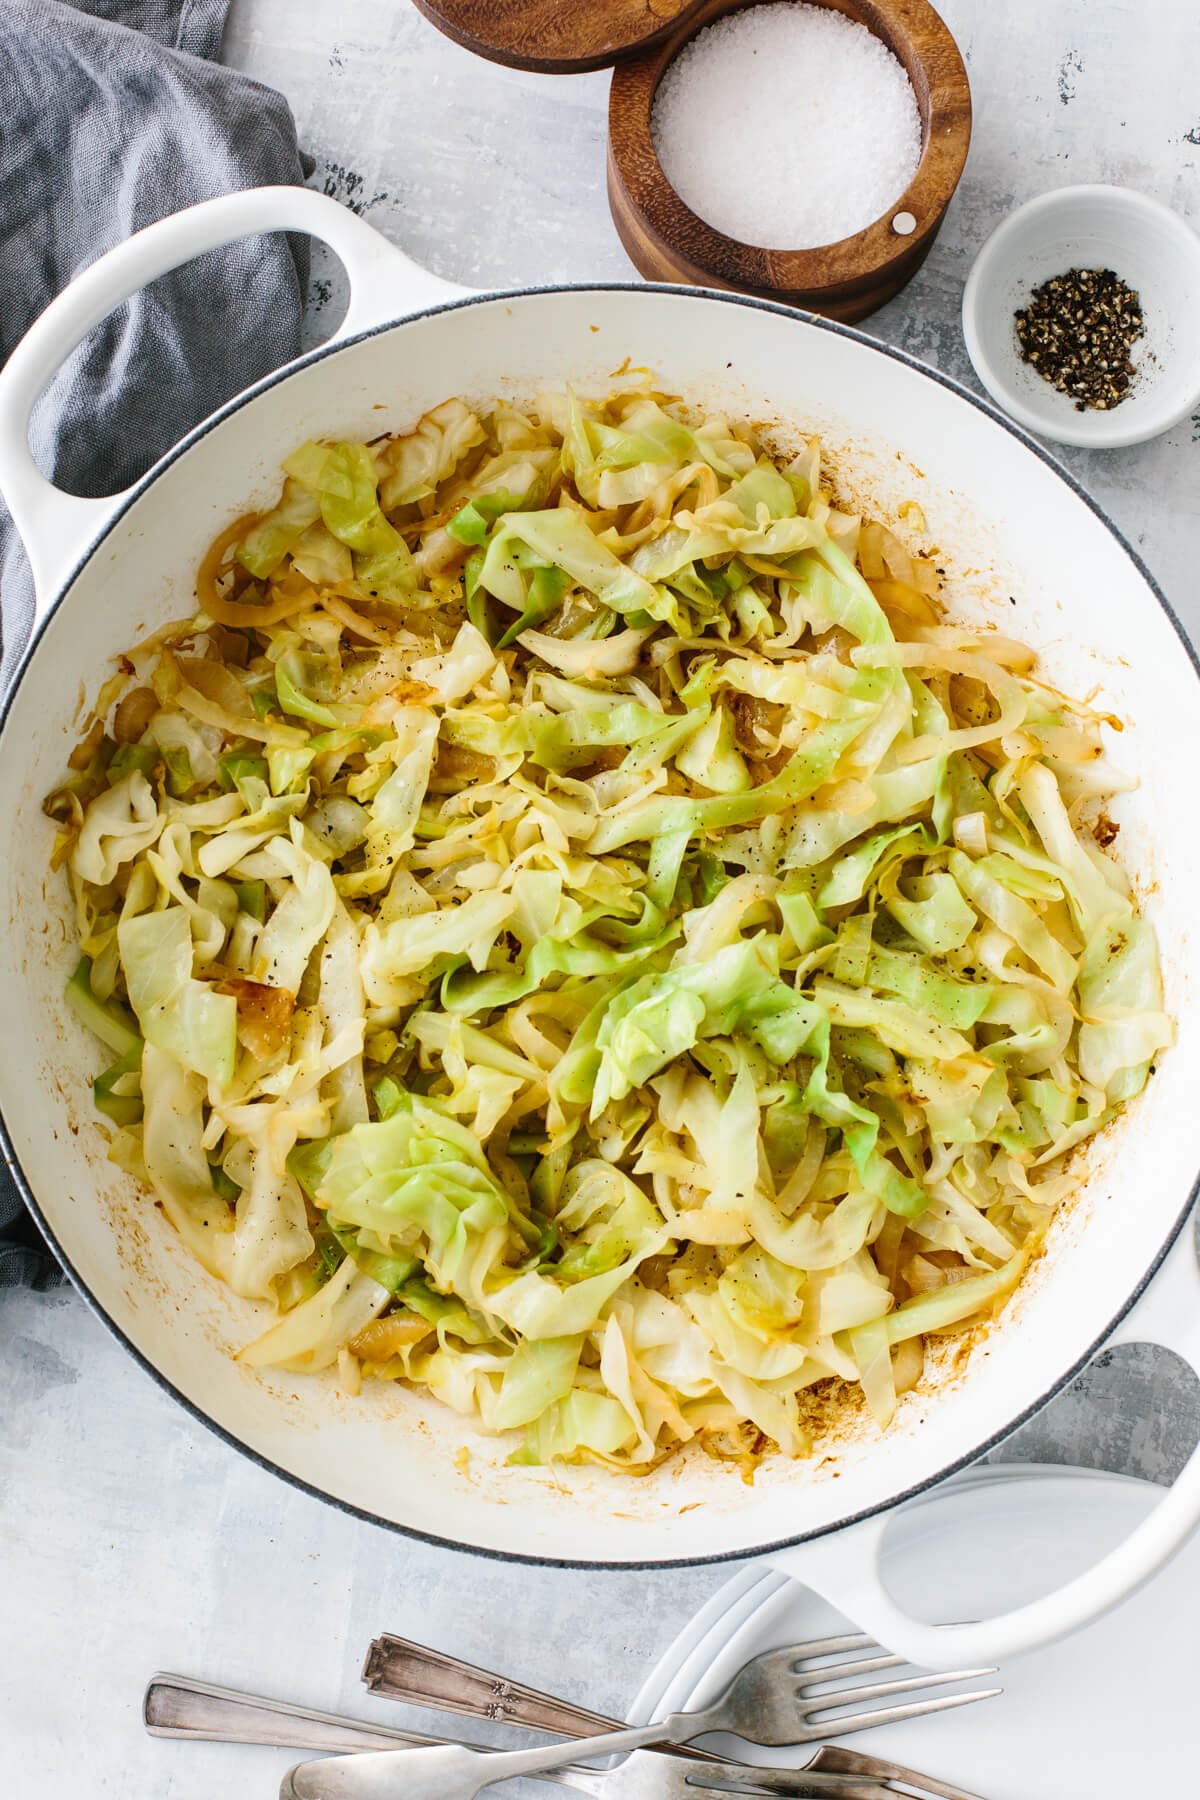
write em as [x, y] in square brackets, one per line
[403, 1670]
[406, 1671]
[175, 1706]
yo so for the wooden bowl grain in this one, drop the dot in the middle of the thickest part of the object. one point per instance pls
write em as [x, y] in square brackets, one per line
[846, 280]
[555, 37]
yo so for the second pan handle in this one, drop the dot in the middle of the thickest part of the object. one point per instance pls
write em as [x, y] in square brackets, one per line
[845, 1567]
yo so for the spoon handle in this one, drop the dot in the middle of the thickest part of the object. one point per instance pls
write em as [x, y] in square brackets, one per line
[175, 1706]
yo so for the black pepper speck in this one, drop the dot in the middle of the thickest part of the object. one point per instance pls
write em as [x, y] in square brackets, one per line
[1077, 332]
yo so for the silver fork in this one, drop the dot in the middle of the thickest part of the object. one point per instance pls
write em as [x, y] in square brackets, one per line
[787, 1696]
[458, 1772]
[176, 1706]
[648, 1775]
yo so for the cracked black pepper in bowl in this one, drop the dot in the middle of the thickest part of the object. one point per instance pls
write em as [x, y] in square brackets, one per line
[1078, 332]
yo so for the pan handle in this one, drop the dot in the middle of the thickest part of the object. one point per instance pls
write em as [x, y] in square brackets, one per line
[57, 528]
[845, 1567]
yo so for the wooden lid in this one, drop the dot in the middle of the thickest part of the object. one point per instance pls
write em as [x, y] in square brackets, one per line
[556, 37]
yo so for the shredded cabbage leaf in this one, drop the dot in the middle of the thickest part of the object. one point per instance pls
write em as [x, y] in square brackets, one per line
[582, 933]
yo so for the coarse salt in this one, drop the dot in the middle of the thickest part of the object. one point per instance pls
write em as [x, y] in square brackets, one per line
[787, 126]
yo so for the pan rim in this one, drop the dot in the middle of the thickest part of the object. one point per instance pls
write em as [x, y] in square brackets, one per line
[7, 1148]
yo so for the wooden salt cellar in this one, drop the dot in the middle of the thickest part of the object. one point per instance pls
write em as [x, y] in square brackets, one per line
[663, 236]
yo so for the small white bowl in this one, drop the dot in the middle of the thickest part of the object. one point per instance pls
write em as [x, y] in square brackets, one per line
[1151, 249]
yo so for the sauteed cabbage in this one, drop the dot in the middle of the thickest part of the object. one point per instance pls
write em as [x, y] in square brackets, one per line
[579, 931]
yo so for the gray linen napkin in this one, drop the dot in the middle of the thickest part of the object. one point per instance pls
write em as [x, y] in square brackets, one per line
[114, 115]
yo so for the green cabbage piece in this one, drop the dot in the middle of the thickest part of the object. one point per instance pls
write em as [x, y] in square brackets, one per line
[418, 1182]
[177, 1014]
[344, 480]
[560, 539]
[264, 547]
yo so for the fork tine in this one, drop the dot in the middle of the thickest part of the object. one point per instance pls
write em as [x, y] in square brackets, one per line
[915, 1709]
[879, 1690]
[751, 1782]
[837, 1758]
[833, 1646]
[856, 1665]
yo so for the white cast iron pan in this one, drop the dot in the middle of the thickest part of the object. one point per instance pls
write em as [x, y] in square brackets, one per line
[1008, 523]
